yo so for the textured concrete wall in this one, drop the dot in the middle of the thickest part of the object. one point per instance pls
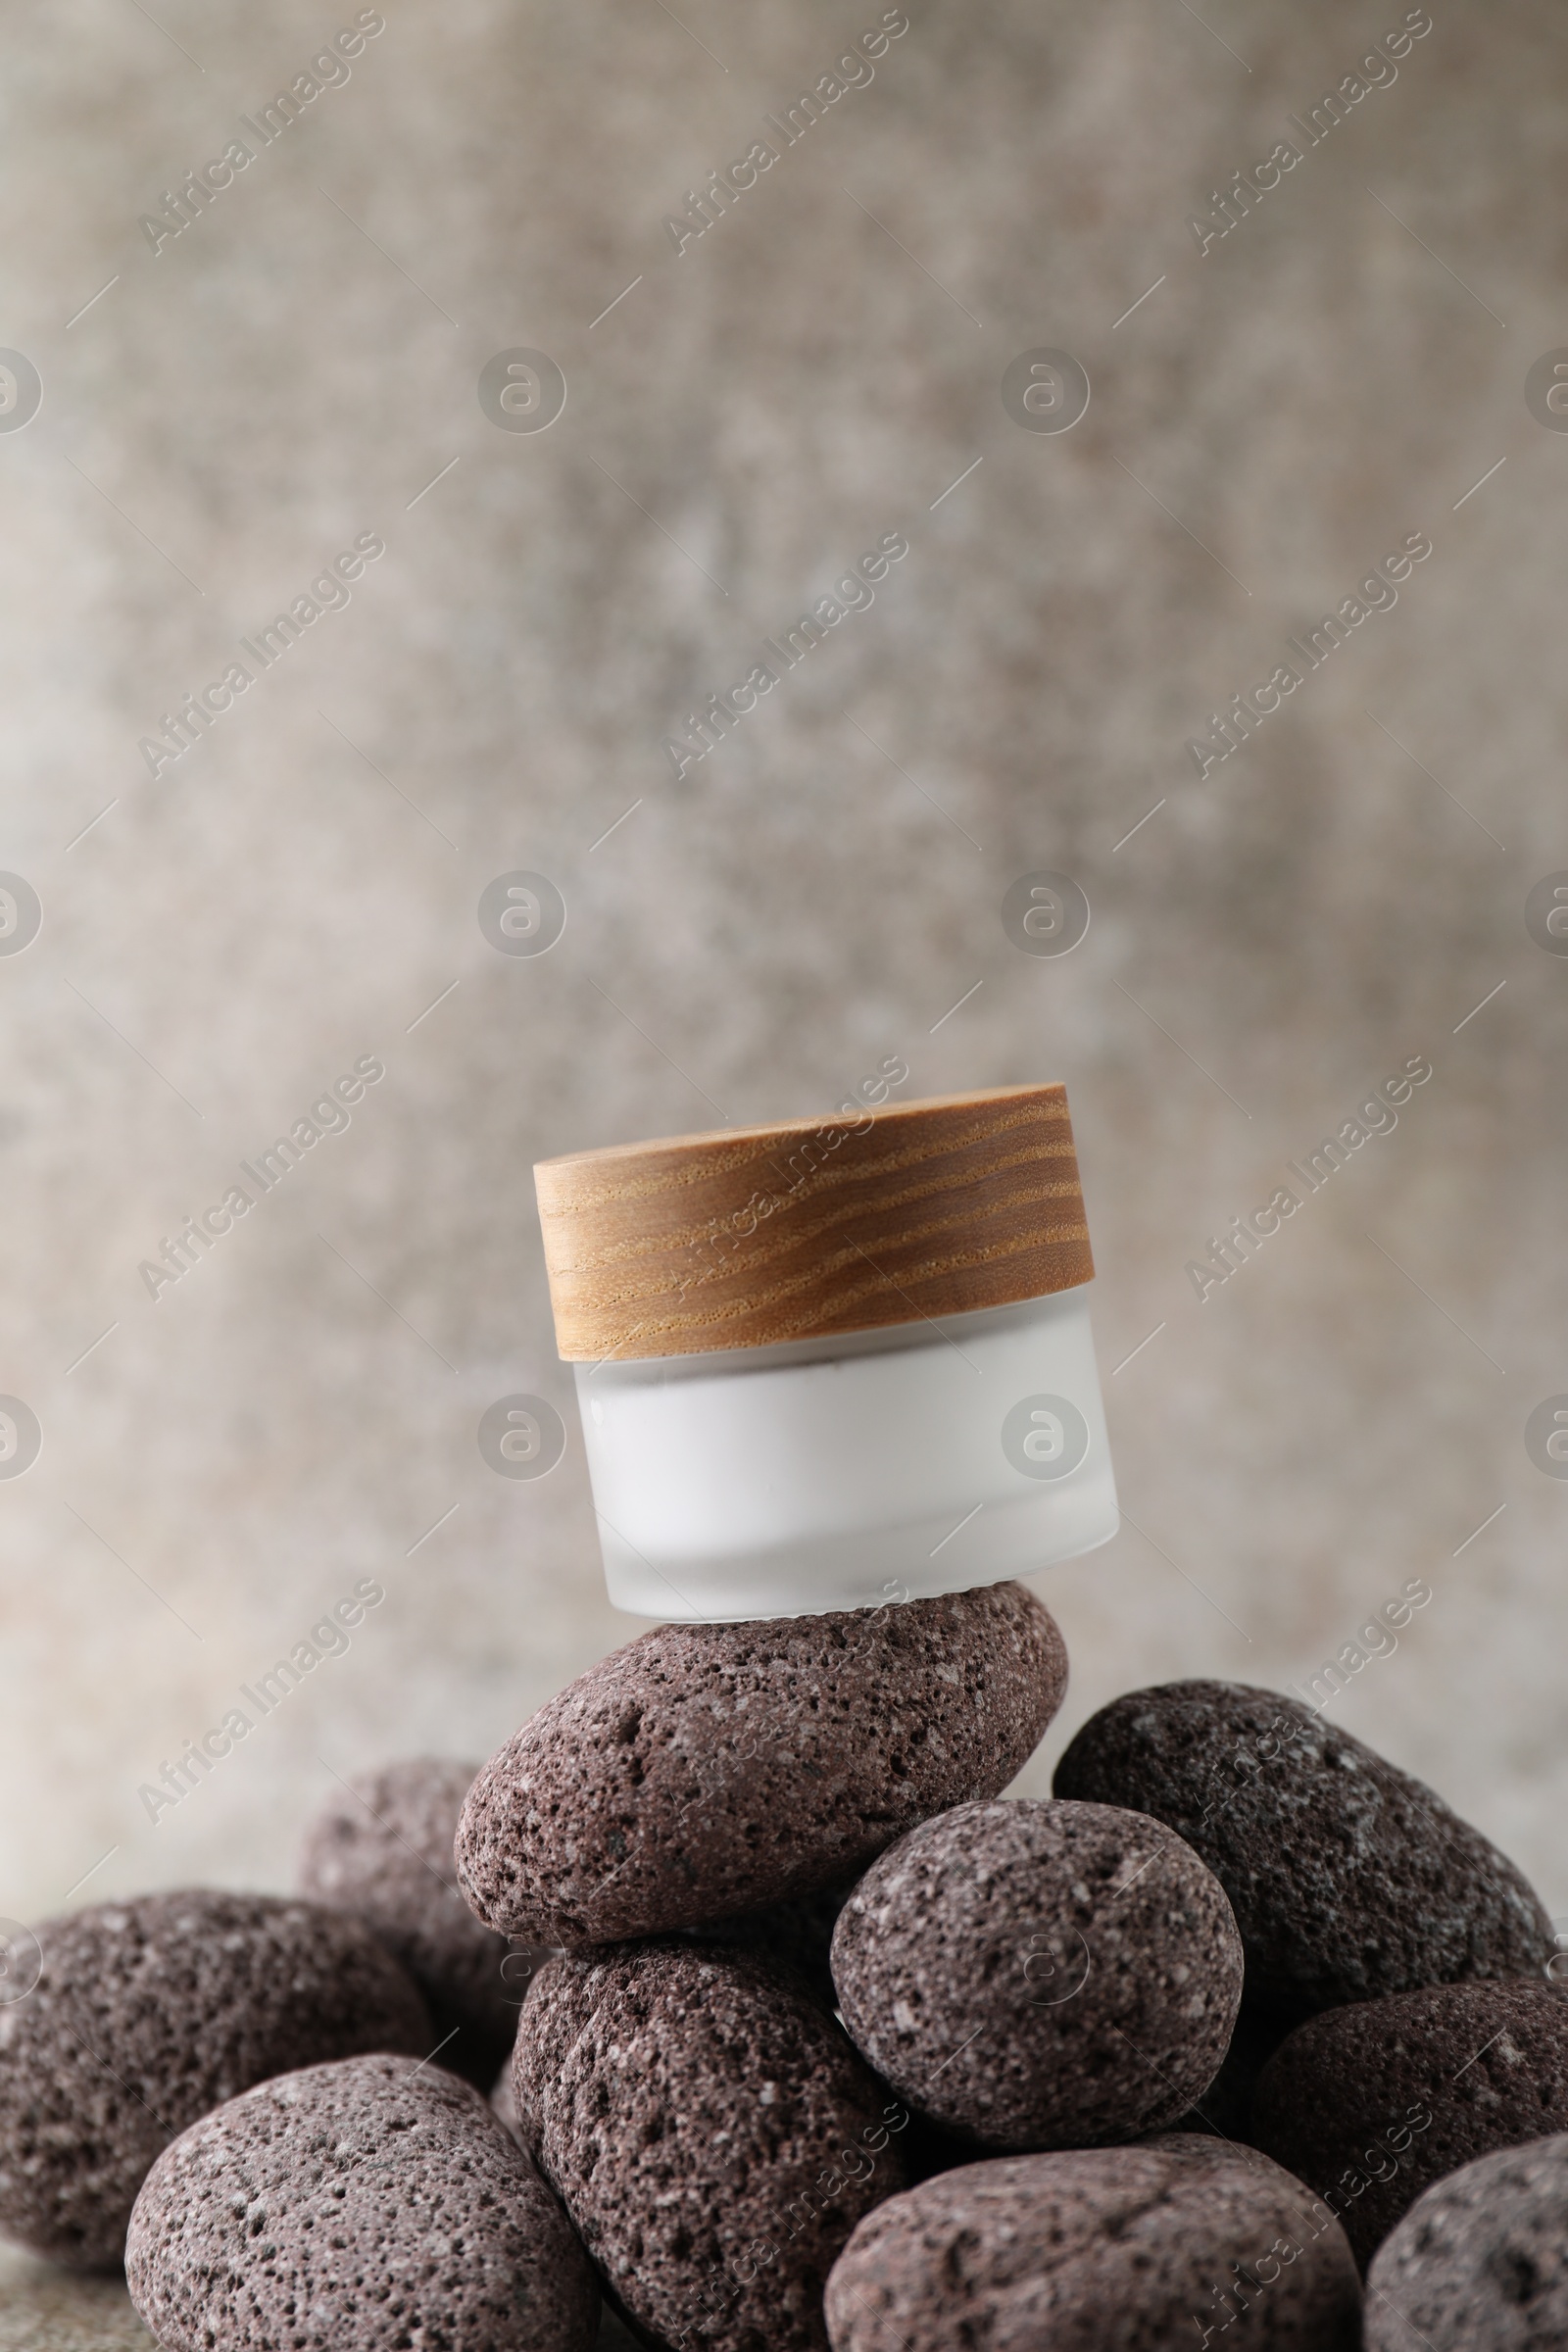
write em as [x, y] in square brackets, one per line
[294, 368]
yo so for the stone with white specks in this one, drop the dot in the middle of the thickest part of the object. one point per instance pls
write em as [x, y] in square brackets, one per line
[1349, 1880]
[705, 1770]
[364, 2206]
[1038, 1974]
[1372, 2103]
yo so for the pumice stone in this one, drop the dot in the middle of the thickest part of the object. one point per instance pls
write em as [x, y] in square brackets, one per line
[149, 2014]
[1037, 1973]
[797, 1935]
[1372, 2103]
[828, 1364]
[382, 1848]
[367, 2206]
[1480, 2262]
[710, 1769]
[1179, 2241]
[712, 2134]
[1349, 1879]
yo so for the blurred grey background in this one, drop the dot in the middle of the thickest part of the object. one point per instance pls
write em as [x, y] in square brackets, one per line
[299, 365]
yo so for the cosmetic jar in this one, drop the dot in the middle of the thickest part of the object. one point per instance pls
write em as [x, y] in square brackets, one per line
[831, 1364]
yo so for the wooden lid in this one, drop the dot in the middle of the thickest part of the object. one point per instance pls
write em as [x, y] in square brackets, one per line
[754, 1235]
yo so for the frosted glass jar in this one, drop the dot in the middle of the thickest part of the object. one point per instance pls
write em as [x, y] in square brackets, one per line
[882, 1465]
[912, 1406]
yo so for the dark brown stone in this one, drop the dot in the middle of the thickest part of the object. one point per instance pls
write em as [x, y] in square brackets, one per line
[1480, 2262]
[382, 1848]
[710, 1769]
[1141, 2249]
[152, 2012]
[1349, 1880]
[713, 2134]
[1036, 1974]
[369, 2203]
[1369, 2105]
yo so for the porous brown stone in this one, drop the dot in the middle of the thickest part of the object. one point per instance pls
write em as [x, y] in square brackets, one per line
[1370, 2104]
[1349, 1880]
[713, 2134]
[356, 2207]
[382, 1848]
[1037, 1973]
[1480, 2262]
[152, 2012]
[710, 1769]
[1175, 2241]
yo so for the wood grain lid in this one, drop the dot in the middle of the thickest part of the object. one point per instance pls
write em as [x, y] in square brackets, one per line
[754, 1235]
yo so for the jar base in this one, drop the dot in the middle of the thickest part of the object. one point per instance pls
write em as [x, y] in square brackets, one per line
[865, 1569]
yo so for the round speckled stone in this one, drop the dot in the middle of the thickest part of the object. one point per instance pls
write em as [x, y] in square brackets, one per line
[1369, 2105]
[712, 2134]
[361, 2207]
[1041, 1975]
[1173, 2242]
[381, 1846]
[710, 1769]
[149, 2014]
[1349, 1880]
[1480, 2263]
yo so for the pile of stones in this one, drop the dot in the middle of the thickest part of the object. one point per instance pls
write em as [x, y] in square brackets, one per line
[806, 2036]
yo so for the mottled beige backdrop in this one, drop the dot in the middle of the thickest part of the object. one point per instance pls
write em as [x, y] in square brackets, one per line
[298, 369]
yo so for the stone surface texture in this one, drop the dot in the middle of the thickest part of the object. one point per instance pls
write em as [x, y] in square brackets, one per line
[356, 2208]
[1480, 2262]
[149, 2014]
[1131, 2249]
[713, 2134]
[705, 1770]
[382, 1848]
[795, 1934]
[1349, 1879]
[44, 2309]
[1038, 1974]
[1369, 2105]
